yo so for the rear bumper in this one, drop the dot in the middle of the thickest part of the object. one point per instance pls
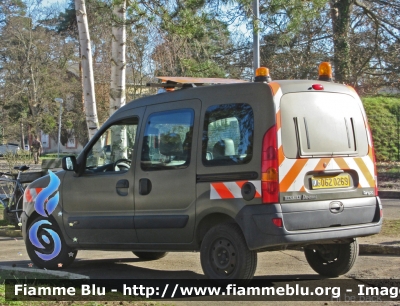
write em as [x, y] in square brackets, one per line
[261, 233]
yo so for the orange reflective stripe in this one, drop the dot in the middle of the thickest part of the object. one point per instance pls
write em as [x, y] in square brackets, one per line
[371, 153]
[360, 163]
[292, 174]
[28, 195]
[223, 191]
[241, 183]
[274, 87]
[352, 88]
[281, 156]
[278, 120]
[342, 163]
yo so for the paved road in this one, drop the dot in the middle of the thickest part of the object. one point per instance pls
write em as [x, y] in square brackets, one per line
[186, 265]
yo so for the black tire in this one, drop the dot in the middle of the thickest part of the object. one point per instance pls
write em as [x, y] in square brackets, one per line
[225, 256]
[332, 260]
[150, 255]
[63, 259]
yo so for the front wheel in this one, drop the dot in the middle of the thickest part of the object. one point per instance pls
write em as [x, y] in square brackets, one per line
[332, 259]
[150, 255]
[46, 246]
[225, 256]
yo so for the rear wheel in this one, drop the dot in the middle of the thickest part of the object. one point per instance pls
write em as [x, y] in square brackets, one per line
[150, 255]
[225, 256]
[332, 259]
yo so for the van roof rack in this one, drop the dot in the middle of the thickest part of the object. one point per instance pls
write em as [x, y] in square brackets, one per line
[185, 82]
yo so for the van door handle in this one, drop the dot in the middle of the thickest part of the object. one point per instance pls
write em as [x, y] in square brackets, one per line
[122, 187]
[144, 186]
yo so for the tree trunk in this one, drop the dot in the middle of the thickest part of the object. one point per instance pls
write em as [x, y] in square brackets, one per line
[340, 11]
[22, 136]
[117, 86]
[92, 120]
[118, 62]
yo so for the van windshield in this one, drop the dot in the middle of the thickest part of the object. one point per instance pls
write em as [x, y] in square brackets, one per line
[322, 124]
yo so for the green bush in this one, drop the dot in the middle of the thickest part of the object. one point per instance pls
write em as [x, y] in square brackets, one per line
[384, 119]
[55, 155]
[19, 159]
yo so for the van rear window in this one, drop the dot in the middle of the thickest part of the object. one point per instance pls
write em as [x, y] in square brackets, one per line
[228, 134]
[318, 124]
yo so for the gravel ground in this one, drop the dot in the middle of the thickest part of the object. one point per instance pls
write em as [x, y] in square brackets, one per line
[386, 182]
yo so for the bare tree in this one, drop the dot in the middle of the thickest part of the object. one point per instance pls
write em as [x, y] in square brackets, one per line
[118, 61]
[87, 69]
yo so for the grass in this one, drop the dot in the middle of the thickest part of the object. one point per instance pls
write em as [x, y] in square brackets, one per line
[54, 155]
[391, 167]
[391, 228]
[6, 229]
[19, 275]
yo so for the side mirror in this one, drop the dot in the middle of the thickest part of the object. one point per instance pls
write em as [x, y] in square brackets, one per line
[69, 163]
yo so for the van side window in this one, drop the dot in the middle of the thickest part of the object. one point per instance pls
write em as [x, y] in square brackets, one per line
[167, 140]
[113, 149]
[228, 135]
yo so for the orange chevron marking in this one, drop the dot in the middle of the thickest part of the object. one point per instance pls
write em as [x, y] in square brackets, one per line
[342, 164]
[278, 120]
[365, 171]
[223, 191]
[281, 156]
[274, 87]
[292, 174]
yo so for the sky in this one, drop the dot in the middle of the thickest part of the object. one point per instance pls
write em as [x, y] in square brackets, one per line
[50, 2]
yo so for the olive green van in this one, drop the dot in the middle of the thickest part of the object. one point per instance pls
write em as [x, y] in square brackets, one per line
[228, 170]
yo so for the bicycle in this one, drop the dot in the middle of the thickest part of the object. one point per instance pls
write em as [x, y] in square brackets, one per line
[11, 195]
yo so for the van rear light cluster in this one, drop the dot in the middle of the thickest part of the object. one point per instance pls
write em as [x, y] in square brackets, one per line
[269, 168]
[374, 160]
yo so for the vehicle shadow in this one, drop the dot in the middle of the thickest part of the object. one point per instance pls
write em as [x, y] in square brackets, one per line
[124, 268]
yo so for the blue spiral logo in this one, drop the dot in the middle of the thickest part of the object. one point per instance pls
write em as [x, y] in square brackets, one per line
[45, 206]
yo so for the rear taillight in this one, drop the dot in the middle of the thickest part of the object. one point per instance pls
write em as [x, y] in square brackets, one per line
[374, 160]
[269, 167]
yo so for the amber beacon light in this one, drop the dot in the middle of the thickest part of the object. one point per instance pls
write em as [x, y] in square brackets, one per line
[262, 75]
[325, 72]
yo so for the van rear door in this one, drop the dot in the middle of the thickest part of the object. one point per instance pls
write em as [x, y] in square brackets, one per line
[326, 161]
